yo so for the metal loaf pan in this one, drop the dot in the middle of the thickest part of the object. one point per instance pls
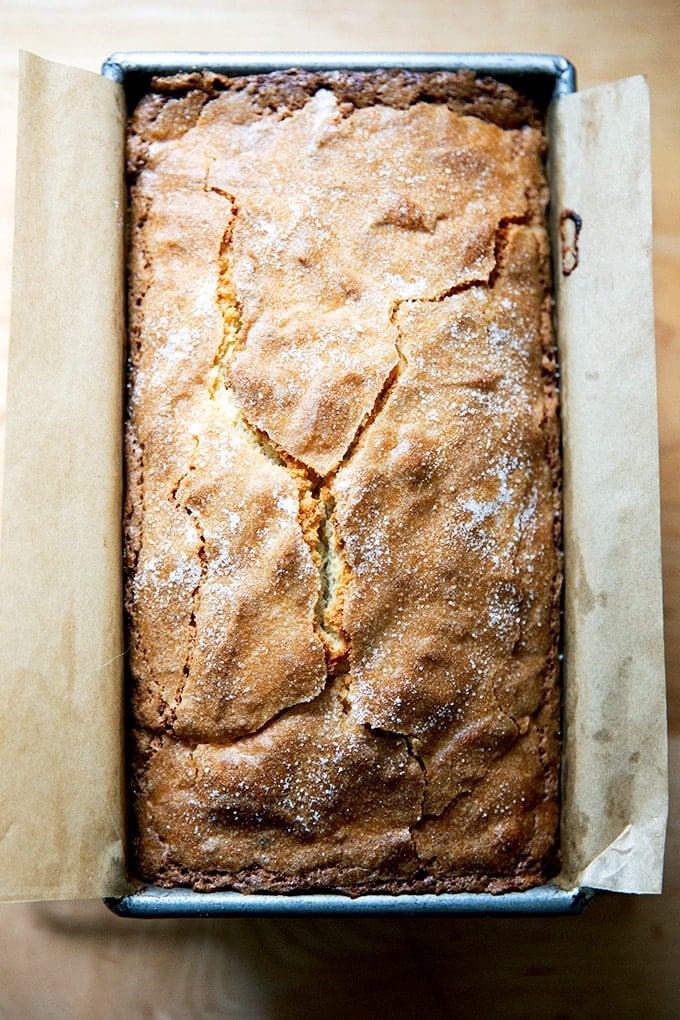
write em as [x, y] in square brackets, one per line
[543, 78]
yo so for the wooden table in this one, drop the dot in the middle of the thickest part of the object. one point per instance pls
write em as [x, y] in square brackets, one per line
[622, 958]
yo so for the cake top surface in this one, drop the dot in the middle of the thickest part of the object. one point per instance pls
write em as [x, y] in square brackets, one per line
[343, 417]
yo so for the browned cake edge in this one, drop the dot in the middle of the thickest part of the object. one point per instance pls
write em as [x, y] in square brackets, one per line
[284, 92]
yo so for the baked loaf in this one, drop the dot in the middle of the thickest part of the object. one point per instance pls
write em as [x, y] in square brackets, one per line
[342, 522]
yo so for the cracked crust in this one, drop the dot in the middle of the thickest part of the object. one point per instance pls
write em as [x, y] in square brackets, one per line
[342, 521]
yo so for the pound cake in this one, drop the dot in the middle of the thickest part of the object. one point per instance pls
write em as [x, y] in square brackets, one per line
[342, 518]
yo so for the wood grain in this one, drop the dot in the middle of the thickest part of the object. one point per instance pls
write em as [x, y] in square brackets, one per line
[622, 957]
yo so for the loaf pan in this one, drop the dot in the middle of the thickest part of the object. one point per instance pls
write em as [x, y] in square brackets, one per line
[543, 78]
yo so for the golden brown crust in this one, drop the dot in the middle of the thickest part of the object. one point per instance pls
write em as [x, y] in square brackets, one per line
[173, 103]
[343, 503]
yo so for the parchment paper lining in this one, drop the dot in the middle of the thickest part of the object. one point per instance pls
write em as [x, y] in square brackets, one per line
[615, 774]
[61, 645]
[61, 806]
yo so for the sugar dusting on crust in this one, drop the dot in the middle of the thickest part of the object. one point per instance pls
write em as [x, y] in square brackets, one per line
[368, 500]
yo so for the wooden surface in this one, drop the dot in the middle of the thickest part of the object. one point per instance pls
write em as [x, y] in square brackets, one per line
[622, 957]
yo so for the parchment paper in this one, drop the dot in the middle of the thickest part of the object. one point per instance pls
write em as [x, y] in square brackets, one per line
[61, 807]
[61, 797]
[615, 771]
